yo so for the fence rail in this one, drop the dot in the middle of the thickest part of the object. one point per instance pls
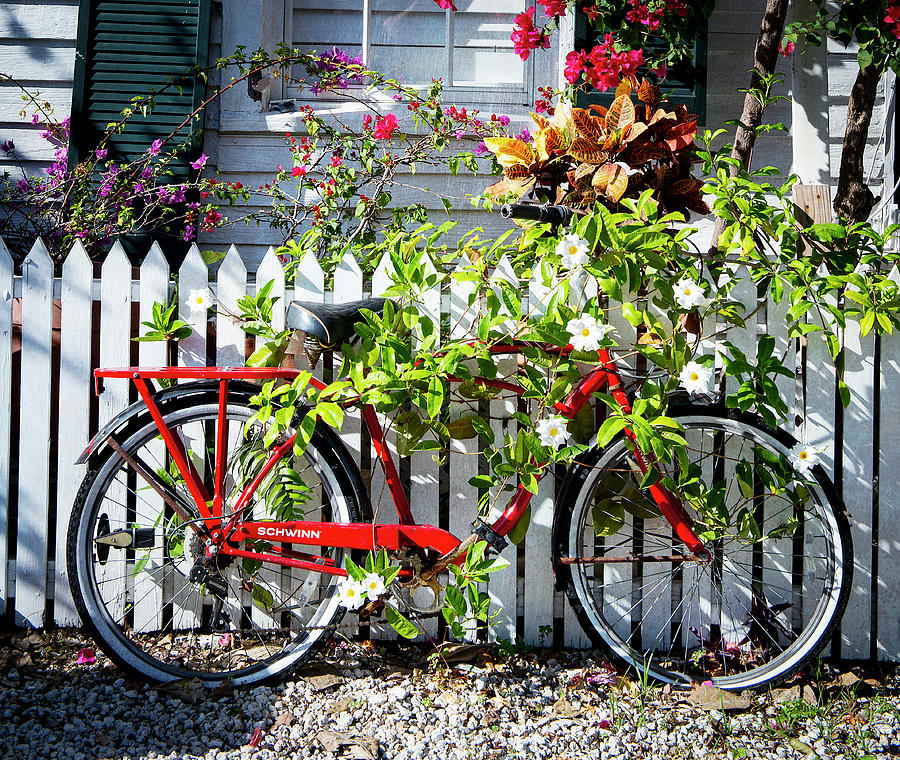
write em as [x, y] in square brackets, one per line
[54, 331]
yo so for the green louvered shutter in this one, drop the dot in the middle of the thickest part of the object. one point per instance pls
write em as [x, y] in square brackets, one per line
[128, 48]
[685, 83]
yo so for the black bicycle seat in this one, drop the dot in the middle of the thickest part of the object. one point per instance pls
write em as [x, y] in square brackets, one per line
[330, 324]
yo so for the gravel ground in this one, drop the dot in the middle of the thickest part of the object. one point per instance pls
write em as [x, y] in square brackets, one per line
[364, 702]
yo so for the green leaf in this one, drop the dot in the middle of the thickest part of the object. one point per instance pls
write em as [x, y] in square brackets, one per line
[262, 597]
[331, 414]
[400, 623]
[456, 600]
[354, 570]
[608, 517]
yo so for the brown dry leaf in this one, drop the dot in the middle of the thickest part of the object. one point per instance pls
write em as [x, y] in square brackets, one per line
[801, 747]
[24, 661]
[710, 698]
[351, 746]
[284, 719]
[339, 706]
[32, 639]
[191, 691]
[564, 709]
[324, 681]
[461, 652]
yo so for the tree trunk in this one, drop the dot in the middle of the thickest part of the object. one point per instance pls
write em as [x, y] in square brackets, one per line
[854, 200]
[764, 60]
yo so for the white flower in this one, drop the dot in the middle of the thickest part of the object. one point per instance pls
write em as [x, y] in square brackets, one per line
[351, 593]
[695, 378]
[573, 250]
[199, 300]
[690, 295]
[587, 333]
[552, 431]
[374, 586]
[803, 458]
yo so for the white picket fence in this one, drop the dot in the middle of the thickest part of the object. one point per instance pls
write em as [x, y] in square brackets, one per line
[41, 438]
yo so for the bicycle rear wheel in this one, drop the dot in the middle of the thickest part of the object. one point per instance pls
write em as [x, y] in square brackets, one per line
[246, 621]
[772, 593]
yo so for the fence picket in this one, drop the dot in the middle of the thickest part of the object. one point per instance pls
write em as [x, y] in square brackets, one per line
[6, 319]
[34, 436]
[76, 388]
[463, 456]
[503, 584]
[231, 284]
[888, 485]
[348, 286]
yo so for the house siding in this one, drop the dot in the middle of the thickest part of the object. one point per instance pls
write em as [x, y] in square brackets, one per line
[37, 48]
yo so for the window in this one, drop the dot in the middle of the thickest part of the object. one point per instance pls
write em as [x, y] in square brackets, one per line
[415, 41]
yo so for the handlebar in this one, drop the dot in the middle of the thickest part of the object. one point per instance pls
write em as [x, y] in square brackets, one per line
[538, 212]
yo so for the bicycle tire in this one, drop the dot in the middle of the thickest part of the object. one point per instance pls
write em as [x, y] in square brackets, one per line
[148, 616]
[752, 617]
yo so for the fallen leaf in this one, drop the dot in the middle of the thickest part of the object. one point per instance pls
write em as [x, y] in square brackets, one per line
[86, 656]
[352, 746]
[801, 746]
[284, 719]
[339, 706]
[710, 698]
[460, 652]
[254, 740]
[191, 691]
[24, 661]
[324, 681]
[563, 708]
[32, 639]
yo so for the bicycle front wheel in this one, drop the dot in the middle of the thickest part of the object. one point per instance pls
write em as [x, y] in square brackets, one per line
[756, 612]
[130, 556]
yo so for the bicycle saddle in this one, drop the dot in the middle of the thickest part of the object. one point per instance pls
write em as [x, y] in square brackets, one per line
[330, 324]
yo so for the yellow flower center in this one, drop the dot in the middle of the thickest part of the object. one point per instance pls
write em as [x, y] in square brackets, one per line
[695, 376]
[585, 332]
[573, 249]
[687, 291]
[554, 431]
[803, 455]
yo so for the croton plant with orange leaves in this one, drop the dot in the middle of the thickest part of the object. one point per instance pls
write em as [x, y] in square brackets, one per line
[583, 155]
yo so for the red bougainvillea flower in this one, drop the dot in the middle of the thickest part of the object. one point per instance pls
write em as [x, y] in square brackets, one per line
[526, 37]
[298, 171]
[786, 49]
[892, 18]
[385, 127]
[553, 7]
[86, 657]
[446, 4]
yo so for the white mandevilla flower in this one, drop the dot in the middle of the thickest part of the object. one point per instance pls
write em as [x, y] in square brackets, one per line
[199, 300]
[373, 583]
[803, 458]
[695, 378]
[573, 250]
[552, 431]
[690, 294]
[351, 593]
[587, 333]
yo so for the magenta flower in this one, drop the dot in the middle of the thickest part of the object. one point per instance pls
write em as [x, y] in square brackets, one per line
[86, 656]
[155, 147]
[200, 162]
[101, 153]
[385, 127]
[7, 147]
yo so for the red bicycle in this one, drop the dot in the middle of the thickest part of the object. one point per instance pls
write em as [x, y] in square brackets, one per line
[197, 548]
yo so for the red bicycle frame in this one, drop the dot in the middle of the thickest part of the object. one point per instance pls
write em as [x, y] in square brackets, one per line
[224, 524]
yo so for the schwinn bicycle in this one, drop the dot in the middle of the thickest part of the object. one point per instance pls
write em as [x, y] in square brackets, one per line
[179, 570]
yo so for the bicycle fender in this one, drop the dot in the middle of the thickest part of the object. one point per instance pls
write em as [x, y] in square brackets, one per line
[162, 398]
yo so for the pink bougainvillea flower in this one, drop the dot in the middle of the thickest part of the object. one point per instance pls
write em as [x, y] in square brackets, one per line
[101, 154]
[786, 49]
[155, 147]
[661, 71]
[385, 127]
[526, 37]
[200, 162]
[298, 171]
[553, 7]
[445, 4]
[86, 656]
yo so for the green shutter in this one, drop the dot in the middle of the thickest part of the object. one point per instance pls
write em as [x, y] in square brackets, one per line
[128, 48]
[684, 83]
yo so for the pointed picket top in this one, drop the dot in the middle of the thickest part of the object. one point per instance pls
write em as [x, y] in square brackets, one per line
[77, 264]
[115, 272]
[271, 269]
[383, 276]
[155, 259]
[232, 285]
[193, 283]
[309, 280]
[505, 271]
[348, 280]
[37, 257]
[462, 315]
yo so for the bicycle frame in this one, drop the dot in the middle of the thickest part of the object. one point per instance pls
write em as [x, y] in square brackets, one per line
[226, 530]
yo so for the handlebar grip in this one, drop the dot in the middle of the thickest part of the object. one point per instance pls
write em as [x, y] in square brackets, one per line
[537, 212]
